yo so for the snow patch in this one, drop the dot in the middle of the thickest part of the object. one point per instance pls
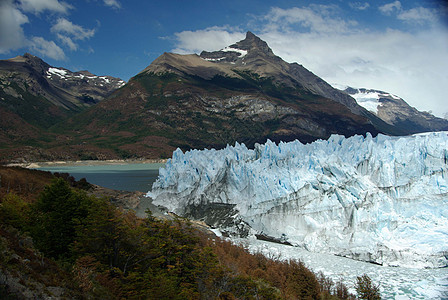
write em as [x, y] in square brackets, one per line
[240, 51]
[105, 79]
[64, 74]
[55, 71]
[214, 59]
[368, 100]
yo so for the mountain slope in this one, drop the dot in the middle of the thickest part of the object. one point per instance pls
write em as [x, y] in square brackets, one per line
[395, 111]
[242, 93]
[43, 95]
[251, 55]
[35, 96]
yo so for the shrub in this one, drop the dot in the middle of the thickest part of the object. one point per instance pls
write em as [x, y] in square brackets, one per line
[366, 289]
[14, 211]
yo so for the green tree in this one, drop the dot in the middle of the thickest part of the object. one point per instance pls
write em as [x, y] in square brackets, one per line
[103, 234]
[55, 214]
[366, 289]
[14, 211]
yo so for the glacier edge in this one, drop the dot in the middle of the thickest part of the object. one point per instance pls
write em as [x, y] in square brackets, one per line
[382, 199]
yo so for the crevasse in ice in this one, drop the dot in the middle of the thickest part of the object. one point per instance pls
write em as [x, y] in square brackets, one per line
[382, 199]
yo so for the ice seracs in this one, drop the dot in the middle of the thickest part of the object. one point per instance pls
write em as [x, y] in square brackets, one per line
[383, 199]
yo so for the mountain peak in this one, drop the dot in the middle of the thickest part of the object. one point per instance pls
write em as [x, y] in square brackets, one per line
[23, 58]
[250, 35]
[30, 60]
[252, 45]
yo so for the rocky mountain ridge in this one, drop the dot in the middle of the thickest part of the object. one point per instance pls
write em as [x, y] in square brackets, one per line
[61, 87]
[35, 96]
[250, 55]
[395, 111]
[242, 93]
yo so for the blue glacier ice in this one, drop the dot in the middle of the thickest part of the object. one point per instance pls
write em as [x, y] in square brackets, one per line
[381, 200]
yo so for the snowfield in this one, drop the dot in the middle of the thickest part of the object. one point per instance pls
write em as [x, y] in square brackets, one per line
[381, 200]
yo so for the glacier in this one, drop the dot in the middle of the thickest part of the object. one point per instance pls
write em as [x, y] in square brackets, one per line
[376, 199]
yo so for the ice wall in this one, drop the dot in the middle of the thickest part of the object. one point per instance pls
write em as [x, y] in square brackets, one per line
[380, 199]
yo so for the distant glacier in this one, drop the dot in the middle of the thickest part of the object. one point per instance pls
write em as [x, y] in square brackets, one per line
[382, 200]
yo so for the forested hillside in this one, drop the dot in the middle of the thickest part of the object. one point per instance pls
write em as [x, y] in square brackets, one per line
[60, 241]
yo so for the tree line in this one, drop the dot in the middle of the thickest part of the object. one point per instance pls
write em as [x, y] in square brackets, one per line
[103, 252]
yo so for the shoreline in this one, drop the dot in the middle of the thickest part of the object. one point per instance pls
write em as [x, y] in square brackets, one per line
[70, 163]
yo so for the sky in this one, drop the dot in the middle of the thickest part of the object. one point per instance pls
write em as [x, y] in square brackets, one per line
[400, 47]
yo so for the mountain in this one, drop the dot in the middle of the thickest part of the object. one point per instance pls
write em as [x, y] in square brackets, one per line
[395, 111]
[381, 200]
[241, 93]
[42, 95]
[35, 96]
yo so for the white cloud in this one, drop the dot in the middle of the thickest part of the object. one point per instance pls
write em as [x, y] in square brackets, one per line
[38, 6]
[67, 33]
[389, 8]
[13, 16]
[419, 15]
[209, 39]
[68, 42]
[64, 26]
[410, 65]
[316, 18]
[359, 5]
[11, 31]
[47, 48]
[112, 3]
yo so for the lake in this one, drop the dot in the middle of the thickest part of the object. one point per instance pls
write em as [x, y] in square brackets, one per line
[125, 177]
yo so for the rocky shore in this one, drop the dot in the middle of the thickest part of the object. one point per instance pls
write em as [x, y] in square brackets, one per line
[35, 165]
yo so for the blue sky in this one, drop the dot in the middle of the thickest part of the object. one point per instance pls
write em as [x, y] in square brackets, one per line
[397, 46]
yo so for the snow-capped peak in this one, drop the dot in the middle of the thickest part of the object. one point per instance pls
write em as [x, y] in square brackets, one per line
[367, 98]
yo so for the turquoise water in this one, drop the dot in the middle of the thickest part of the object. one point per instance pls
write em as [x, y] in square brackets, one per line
[125, 177]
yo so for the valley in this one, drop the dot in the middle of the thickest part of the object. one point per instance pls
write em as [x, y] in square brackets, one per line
[251, 146]
[179, 101]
